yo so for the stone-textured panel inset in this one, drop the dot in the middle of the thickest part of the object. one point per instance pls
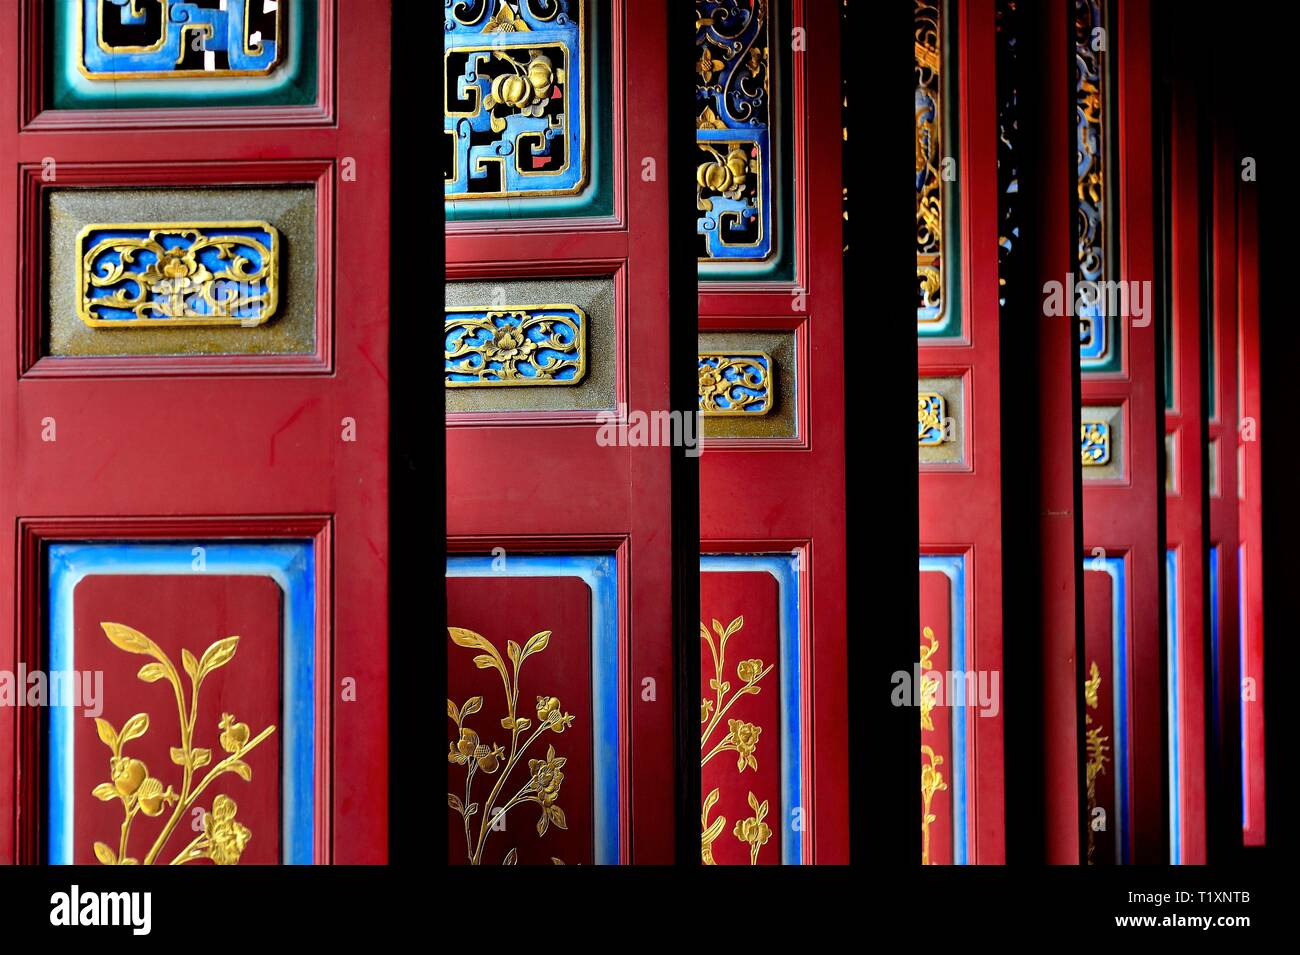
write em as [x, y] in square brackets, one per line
[587, 301]
[941, 420]
[287, 329]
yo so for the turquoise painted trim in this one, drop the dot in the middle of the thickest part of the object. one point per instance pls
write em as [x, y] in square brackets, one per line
[1175, 709]
[292, 565]
[954, 568]
[600, 573]
[292, 83]
[782, 569]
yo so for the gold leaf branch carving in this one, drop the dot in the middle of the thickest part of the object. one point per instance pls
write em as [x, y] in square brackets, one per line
[931, 777]
[1096, 747]
[223, 839]
[741, 738]
[545, 776]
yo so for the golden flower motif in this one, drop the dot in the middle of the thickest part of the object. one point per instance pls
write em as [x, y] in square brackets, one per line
[706, 66]
[528, 91]
[233, 735]
[509, 344]
[754, 831]
[745, 737]
[547, 776]
[226, 838]
[706, 710]
[748, 670]
[710, 382]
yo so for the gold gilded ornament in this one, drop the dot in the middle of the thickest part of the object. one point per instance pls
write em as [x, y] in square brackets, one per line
[223, 839]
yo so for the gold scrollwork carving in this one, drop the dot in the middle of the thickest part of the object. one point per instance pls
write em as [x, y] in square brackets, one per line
[514, 345]
[223, 839]
[545, 776]
[178, 273]
[735, 383]
[741, 738]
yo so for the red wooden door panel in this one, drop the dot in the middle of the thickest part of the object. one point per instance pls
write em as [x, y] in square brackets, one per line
[1121, 496]
[964, 368]
[769, 529]
[256, 439]
[1184, 527]
[563, 487]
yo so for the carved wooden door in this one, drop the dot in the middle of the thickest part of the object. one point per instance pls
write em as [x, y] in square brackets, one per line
[959, 441]
[559, 655]
[194, 431]
[772, 585]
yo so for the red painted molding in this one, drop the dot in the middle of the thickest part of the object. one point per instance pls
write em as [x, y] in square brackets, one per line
[22, 838]
[32, 189]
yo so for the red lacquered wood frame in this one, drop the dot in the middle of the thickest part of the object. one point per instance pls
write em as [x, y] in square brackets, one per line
[794, 488]
[1184, 524]
[1058, 622]
[22, 837]
[1250, 512]
[1120, 516]
[557, 490]
[974, 527]
[1221, 433]
[232, 446]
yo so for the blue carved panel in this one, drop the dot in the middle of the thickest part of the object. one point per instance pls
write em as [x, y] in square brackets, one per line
[515, 118]
[735, 383]
[1094, 446]
[138, 39]
[514, 345]
[733, 138]
[195, 273]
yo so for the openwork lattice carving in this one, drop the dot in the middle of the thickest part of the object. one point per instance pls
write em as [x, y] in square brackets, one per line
[178, 39]
[1090, 52]
[515, 117]
[733, 137]
[929, 186]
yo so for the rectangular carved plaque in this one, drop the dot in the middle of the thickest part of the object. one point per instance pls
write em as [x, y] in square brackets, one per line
[178, 273]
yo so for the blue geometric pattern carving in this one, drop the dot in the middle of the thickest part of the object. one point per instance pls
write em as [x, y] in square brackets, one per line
[732, 135]
[164, 38]
[515, 117]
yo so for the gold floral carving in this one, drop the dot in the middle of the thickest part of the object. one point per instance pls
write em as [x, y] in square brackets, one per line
[545, 776]
[931, 778]
[1096, 745]
[741, 738]
[223, 839]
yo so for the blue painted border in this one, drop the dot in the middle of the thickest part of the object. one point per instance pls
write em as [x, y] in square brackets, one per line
[782, 567]
[1115, 567]
[599, 573]
[1175, 709]
[292, 565]
[1241, 696]
[954, 568]
[1213, 663]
